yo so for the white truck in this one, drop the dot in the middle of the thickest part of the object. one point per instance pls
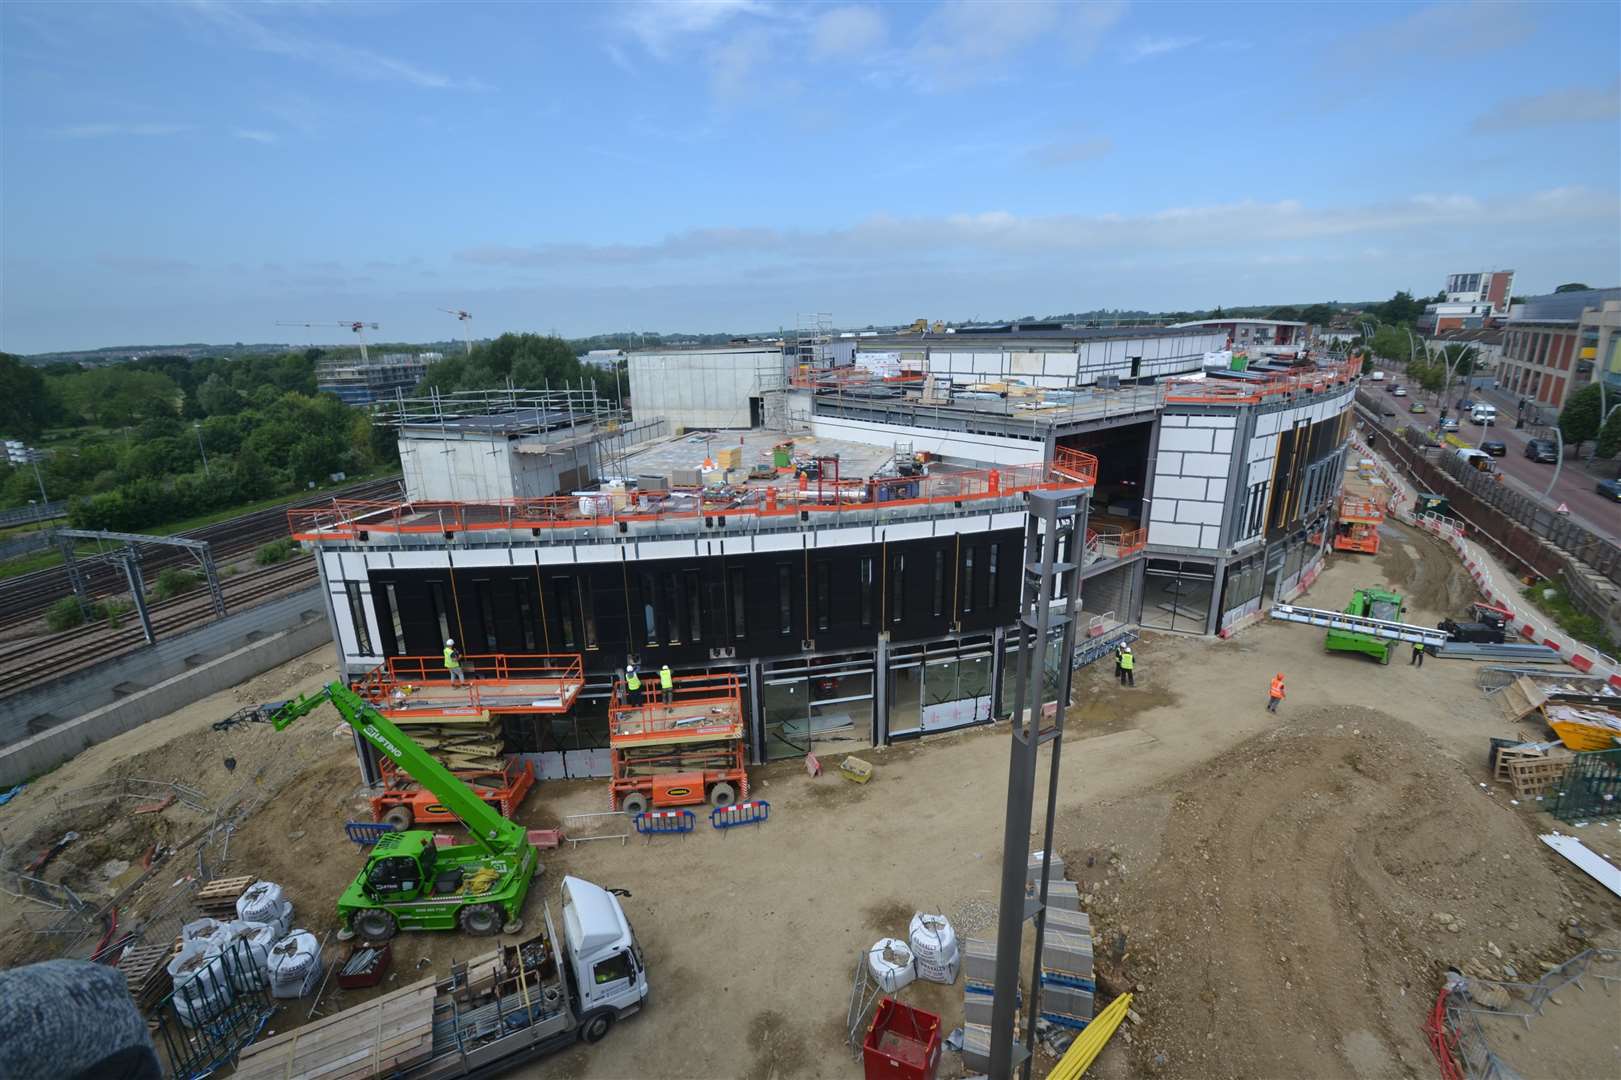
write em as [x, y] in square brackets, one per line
[491, 1015]
[1483, 414]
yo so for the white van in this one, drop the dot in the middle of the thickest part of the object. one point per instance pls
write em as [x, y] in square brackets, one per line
[1484, 415]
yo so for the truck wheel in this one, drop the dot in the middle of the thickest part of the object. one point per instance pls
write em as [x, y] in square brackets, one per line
[634, 803]
[481, 920]
[374, 926]
[722, 794]
[596, 1026]
[398, 818]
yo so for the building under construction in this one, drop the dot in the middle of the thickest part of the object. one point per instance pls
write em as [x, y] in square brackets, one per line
[848, 546]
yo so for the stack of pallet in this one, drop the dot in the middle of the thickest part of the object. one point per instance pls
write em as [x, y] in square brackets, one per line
[144, 969]
[387, 1035]
[218, 898]
[469, 743]
[1067, 984]
[1532, 769]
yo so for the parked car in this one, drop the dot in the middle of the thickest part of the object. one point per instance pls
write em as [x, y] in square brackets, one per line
[1391, 388]
[1610, 489]
[1387, 410]
[1543, 450]
[1400, 391]
[1494, 447]
[1416, 407]
[1449, 424]
[1465, 404]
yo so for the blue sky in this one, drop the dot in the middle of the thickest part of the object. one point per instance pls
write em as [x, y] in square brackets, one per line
[197, 171]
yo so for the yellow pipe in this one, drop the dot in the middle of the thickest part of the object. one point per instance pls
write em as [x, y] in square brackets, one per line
[1091, 1041]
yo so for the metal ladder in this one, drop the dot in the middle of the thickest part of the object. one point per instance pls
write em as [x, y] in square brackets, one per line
[1380, 628]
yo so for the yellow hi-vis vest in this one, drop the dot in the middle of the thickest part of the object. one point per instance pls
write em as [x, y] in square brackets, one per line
[1127, 661]
[665, 681]
[633, 681]
[451, 663]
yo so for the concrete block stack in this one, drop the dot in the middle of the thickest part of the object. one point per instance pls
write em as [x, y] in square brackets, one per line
[978, 994]
[1067, 980]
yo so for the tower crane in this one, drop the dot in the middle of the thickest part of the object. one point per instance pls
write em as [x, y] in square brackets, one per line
[463, 317]
[358, 327]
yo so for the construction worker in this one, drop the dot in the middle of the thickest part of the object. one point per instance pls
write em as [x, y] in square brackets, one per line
[453, 662]
[1275, 694]
[1128, 665]
[1418, 655]
[1120, 664]
[667, 684]
[633, 685]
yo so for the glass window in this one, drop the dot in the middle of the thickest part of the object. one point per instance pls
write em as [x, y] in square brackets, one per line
[486, 611]
[824, 595]
[739, 607]
[650, 601]
[695, 608]
[864, 576]
[939, 605]
[612, 970]
[437, 594]
[526, 615]
[357, 612]
[563, 596]
[992, 595]
[394, 618]
[588, 612]
[968, 580]
[897, 588]
[672, 607]
[785, 599]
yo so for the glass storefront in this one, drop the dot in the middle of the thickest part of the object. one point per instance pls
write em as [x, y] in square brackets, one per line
[828, 698]
[1177, 595]
[940, 687]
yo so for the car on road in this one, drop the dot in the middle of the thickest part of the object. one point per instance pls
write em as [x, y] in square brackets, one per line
[1450, 423]
[1386, 410]
[1465, 404]
[1610, 489]
[1400, 391]
[1542, 450]
[1416, 407]
[1494, 447]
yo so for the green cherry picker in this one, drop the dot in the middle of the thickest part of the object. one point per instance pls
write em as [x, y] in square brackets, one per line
[410, 884]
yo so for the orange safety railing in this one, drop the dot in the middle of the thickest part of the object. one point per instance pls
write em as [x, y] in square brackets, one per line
[717, 700]
[1252, 391]
[844, 378]
[1115, 544]
[350, 519]
[1357, 509]
[487, 675]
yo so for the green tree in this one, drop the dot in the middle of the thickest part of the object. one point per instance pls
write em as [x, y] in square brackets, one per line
[114, 396]
[25, 407]
[1318, 315]
[1286, 314]
[1400, 309]
[1393, 343]
[218, 397]
[1579, 419]
[1609, 436]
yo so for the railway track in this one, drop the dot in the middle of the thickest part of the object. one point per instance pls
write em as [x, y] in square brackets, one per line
[24, 598]
[47, 657]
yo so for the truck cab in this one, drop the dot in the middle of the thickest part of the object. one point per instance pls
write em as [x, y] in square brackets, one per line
[609, 969]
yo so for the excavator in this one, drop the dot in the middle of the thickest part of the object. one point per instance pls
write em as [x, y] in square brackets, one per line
[409, 883]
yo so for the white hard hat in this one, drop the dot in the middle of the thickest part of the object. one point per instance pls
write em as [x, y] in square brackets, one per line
[450, 641]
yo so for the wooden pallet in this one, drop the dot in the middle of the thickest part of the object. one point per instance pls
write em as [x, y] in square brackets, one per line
[385, 1035]
[1532, 777]
[218, 898]
[143, 967]
[1508, 755]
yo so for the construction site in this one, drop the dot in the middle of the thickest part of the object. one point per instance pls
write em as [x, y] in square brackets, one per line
[1289, 847]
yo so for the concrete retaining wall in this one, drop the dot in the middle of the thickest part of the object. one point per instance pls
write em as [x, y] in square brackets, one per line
[51, 723]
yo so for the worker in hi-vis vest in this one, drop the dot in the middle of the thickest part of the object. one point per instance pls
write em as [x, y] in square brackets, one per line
[1128, 666]
[666, 684]
[633, 685]
[1275, 694]
[453, 662]
[1418, 654]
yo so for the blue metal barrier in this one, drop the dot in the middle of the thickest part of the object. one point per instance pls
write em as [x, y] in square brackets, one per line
[658, 822]
[366, 833]
[744, 813]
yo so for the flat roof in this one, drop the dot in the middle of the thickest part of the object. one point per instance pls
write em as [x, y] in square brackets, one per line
[857, 461]
[982, 335]
[1236, 321]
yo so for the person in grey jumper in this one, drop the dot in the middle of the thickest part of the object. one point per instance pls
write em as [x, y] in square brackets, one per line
[72, 1019]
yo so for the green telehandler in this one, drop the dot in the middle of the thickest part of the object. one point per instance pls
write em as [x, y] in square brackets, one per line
[408, 883]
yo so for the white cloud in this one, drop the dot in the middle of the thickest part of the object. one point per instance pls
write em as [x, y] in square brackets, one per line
[737, 66]
[846, 31]
[1145, 47]
[1070, 153]
[660, 24]
[115, 130]
[344, 59]
[963, 42]
[254, 135]
[1573, 105]
[1233, 227]
[1452, 28]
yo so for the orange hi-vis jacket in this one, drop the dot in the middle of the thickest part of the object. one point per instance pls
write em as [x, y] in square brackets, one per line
[1277, 688]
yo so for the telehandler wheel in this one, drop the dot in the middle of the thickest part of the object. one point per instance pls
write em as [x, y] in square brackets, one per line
[374, 926]
[722, 794]
[634, 803]
[398, 818]
[481, 920]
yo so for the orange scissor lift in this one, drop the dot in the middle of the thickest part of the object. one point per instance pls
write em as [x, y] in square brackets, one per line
[685, 753]
[412, 690]
[1358, 526]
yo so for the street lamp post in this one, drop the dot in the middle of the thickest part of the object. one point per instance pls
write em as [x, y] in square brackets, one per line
[198, 428]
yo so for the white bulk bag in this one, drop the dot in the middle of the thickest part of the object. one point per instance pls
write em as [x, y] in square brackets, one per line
[890, 962]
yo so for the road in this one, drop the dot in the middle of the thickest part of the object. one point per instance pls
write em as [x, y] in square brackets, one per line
[1575, 486]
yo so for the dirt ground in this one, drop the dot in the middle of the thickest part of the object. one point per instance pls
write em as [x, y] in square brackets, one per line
[1271, 886]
